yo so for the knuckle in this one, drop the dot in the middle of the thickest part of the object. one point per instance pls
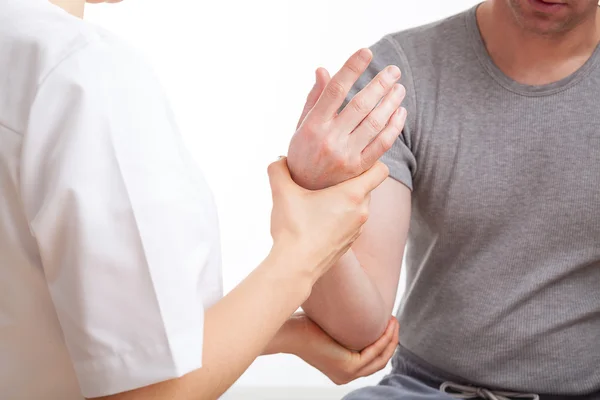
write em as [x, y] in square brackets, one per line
[374, 124]
[335, 89]
[312, 129]
[356, 164]
[339, 162]
[382, 83]
[355, 65]
[329, 148]
[335, 158]
[355, 197]
[387, 141]
[359, 104]
[363, 215]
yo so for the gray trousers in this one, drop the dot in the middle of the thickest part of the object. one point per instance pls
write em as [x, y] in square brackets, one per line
[398, 387]
[410, 379]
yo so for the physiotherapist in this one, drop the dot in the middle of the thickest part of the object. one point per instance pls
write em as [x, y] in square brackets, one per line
[110, 279]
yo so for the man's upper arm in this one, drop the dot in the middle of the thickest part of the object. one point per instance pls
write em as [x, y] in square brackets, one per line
[380, 247]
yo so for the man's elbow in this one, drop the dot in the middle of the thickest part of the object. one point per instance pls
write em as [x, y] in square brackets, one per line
[363, 334]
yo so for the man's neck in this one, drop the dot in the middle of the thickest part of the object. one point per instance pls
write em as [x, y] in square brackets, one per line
[74, 7]
[532, 58]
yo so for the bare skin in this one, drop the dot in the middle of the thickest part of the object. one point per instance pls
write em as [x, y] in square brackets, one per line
[76, 7]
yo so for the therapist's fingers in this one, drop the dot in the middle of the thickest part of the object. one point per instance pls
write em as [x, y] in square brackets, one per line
[381, 359]
[374, 350]
[321, 80]
[280, 178]
[365, 183]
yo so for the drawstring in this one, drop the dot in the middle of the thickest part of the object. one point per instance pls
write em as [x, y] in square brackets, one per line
[469, 392]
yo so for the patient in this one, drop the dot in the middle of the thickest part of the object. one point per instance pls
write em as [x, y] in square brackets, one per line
[496, 174]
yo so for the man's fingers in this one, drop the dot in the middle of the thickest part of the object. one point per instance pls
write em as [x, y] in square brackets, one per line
[385, 140]
[279, 176]
[369, 180]
[381, 360]
[321, 80]
[368, 98]
[378, 119]
[339, 86]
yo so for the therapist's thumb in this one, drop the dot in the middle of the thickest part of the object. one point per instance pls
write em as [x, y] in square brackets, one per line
[370, 179]
[279, 177]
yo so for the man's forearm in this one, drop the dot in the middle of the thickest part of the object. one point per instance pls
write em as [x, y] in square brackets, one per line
[347, 305]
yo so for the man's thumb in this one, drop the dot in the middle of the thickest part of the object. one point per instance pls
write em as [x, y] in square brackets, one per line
[321, 80]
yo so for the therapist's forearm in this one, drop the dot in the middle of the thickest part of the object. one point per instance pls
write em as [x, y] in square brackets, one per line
[237, 330]
[347, 305]
[258, 307]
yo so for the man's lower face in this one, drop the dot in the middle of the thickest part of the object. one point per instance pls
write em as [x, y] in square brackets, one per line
[549, 17]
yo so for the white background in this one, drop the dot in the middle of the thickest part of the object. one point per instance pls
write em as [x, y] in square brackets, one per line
[237, 73]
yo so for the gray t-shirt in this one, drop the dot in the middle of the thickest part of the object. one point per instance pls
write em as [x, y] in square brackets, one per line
[503, 256]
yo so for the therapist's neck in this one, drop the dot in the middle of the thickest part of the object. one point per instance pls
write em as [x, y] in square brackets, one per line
[74, 7]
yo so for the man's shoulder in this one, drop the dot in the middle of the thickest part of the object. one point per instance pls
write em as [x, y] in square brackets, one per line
[428, 42]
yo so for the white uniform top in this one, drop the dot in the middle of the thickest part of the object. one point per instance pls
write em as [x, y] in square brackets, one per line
[109, 248]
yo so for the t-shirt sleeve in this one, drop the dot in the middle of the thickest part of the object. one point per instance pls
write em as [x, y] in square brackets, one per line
[125, 227]
[400, 158]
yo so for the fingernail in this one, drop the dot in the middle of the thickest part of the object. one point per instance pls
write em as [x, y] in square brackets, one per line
[399, 89]
[280, 158]
[393, 71]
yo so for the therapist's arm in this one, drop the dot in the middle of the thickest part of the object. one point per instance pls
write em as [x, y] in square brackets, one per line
[309, 235]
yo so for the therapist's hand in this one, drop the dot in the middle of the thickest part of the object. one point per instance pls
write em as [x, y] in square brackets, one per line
[313, 229]
[329, 148]
[304, 338]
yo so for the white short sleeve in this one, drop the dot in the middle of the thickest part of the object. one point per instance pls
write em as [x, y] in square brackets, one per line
[126, 228]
